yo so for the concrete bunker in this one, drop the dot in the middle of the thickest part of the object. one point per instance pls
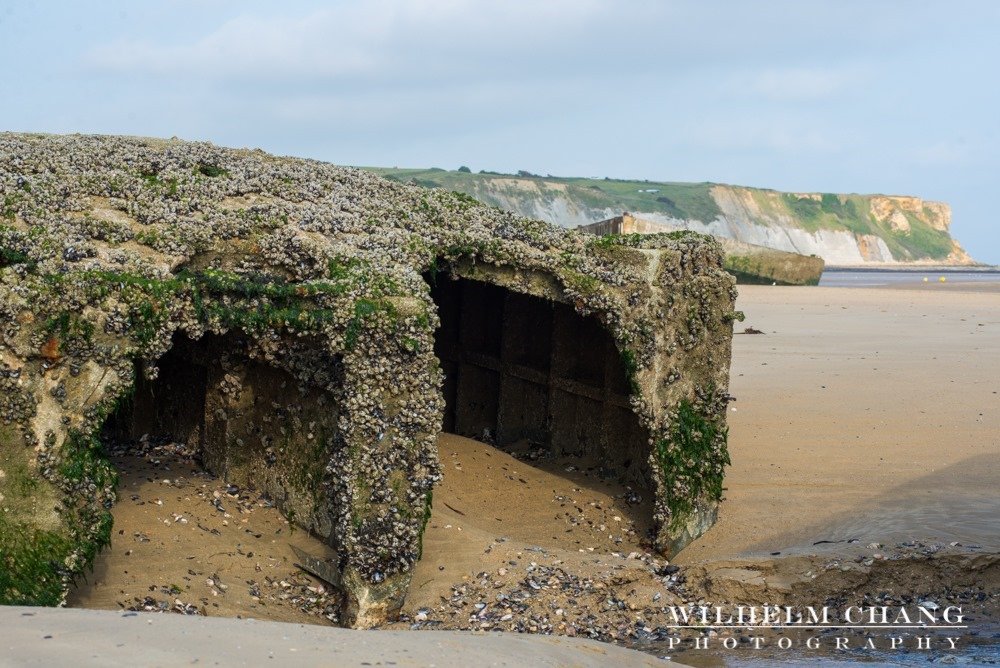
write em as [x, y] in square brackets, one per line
[120, 249]
[520, 369]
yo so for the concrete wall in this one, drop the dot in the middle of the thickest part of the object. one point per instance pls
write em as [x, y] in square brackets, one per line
[116, 245]
[626, 224]
[759, 265]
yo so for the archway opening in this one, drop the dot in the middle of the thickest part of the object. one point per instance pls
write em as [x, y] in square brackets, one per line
[221, 460]
[541, 382]
[249, 421]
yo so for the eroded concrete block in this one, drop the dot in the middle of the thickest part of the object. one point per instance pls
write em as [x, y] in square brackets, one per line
[312, 328]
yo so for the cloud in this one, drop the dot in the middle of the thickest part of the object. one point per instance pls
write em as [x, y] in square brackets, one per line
[941, 154]
[803, 83]
[425, 64]
[370, 42]
[448, 108]
[438, 67]
[374, 41]
[775, 134]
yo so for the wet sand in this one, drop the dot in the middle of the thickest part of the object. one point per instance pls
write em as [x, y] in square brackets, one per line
[869, 414]
[865, 441]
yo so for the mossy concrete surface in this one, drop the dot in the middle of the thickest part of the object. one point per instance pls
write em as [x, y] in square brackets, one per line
[277, 312]
[759, 265]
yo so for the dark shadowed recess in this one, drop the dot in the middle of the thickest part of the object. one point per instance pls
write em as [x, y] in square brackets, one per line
[525, 373]
[251, 423]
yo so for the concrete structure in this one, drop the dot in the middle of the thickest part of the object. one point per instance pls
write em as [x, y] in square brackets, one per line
[311, 329]
[747, 262]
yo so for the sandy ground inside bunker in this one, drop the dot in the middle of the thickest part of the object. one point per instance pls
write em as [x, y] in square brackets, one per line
[184, 541]
[866, 455]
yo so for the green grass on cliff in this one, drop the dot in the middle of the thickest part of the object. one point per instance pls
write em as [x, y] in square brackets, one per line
[852, 213]
[679, 200]
[689, 201]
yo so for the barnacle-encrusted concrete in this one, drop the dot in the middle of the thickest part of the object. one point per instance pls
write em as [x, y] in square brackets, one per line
[288, 304]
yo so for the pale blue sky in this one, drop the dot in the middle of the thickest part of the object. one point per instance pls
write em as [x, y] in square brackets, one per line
[897, 97]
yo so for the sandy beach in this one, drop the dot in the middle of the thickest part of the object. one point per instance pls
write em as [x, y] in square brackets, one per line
[865, 442]
[54, 637]
[862, 413]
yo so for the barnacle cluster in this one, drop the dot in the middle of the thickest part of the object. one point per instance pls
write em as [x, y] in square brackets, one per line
[110, 247]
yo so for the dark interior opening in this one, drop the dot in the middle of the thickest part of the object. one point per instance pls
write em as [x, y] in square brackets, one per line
[250, 423]
[171, 407]
[521, 372]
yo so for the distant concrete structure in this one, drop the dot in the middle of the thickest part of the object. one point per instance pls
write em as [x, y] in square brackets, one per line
[750, 264]
[626, 224]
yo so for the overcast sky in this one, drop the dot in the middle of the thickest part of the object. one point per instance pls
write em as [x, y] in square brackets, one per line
[897, 97]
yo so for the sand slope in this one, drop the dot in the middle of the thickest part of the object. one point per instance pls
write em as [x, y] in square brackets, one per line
[185, 541]
[53, 637]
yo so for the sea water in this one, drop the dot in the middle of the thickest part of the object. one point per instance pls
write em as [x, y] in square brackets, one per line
[929, 277]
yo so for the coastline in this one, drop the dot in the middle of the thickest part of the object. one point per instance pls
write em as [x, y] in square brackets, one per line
[913, 267]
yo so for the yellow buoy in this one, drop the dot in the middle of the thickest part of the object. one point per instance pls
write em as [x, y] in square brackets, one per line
[925, 279]
[942, 279]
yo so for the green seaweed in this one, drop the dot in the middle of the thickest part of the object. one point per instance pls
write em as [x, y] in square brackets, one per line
[211, 171]
[428, 508]
[69, 326]
[32, 567]
[631, 369]
[363, 310]
[36, 564]
[689, 454]
[9, 256]
[581, 283]
[10, 203]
